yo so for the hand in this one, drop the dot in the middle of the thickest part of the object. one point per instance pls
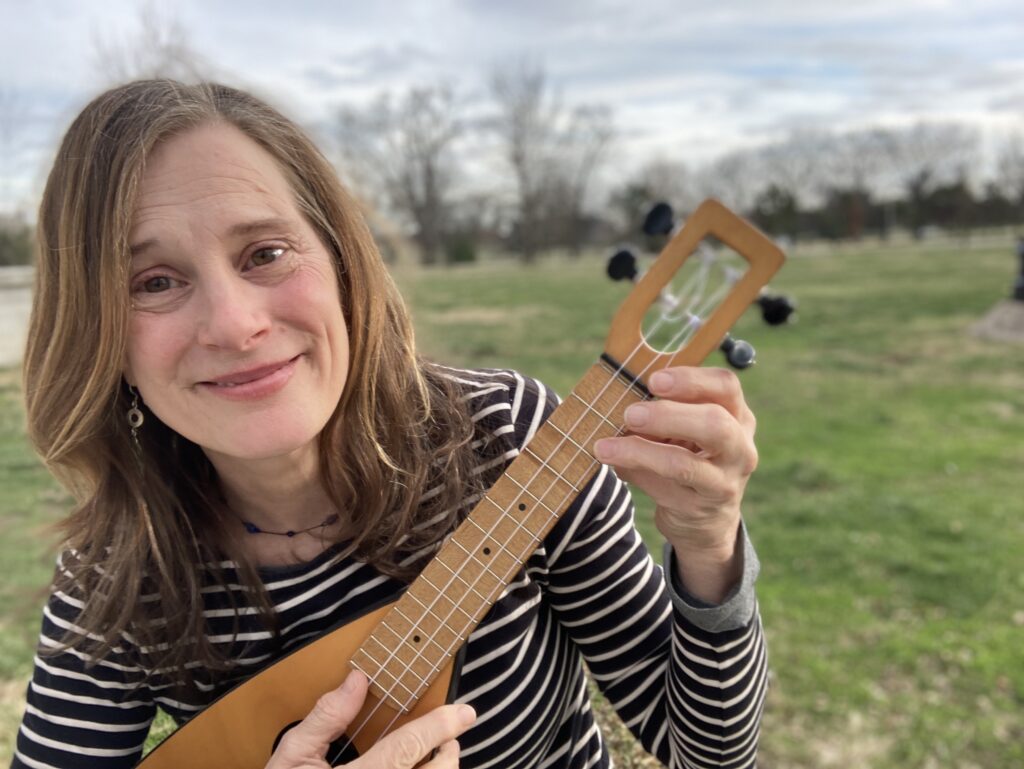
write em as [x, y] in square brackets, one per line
[692, 451]
[305, 745]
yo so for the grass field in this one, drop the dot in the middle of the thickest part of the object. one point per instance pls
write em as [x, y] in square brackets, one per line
[886, 510]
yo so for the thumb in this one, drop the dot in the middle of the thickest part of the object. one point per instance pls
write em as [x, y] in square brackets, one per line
[328, 719]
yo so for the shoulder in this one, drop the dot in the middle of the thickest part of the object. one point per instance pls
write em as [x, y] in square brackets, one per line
[503, 400]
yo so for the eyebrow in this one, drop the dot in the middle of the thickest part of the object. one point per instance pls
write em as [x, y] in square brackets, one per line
[237, 230]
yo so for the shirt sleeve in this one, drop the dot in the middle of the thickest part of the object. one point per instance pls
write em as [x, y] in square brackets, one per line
[80, 713]
[739, 605]
[688, 679]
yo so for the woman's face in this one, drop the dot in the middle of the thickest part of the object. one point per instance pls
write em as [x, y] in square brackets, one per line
[237, 339]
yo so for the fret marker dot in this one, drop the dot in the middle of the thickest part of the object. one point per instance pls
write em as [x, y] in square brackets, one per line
[522, 506]
[487, 551]
[416, 639]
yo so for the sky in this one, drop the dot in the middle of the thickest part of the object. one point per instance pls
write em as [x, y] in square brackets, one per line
[685, 80]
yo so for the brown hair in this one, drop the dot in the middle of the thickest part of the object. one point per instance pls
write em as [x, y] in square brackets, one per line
[143, 526]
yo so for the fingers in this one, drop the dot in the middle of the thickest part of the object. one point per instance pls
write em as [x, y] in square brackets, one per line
[659, 467]
[308, 740]
[694, 384]
[447, 757]
[708, 425]
[406, 747]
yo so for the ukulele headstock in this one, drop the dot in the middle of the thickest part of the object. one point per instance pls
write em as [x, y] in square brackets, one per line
[702, 332]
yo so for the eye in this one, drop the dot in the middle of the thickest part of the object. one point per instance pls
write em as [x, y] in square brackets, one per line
[267, 255]
[156, 284]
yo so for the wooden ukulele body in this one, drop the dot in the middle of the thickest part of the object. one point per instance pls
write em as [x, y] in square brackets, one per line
[407, 649]
[239, 730]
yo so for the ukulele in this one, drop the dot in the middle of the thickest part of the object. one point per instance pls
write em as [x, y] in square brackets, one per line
[408, 648]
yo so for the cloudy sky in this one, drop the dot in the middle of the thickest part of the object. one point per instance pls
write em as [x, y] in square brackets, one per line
[685, 80]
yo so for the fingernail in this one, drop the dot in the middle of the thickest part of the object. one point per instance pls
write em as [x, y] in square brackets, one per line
[661, 381]
[604, 449]
[350, 682]
[637, 415]
[466, 715]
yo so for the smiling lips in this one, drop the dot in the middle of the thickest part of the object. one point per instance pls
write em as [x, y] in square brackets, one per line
[252, 383]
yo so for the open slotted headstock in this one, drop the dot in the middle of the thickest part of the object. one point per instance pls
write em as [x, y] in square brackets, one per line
[626, 343]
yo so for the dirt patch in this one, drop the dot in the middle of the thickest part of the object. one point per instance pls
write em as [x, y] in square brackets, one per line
[1003, 323]
[487, 316]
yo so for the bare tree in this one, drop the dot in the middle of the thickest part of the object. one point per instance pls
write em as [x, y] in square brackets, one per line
[795, 166]
[734, 178]
[1010, 167]
[158, 48]
[526, 127]
[584, 145]
[860, 160]
[928, 155]
[403, 153]
[553, 153]
[659, 179]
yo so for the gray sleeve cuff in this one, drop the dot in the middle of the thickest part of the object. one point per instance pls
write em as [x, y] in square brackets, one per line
[738, 608]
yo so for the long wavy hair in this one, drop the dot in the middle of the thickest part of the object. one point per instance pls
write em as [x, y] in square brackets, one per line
[144, 520]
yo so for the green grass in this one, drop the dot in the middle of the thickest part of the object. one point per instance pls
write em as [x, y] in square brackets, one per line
[886, 508]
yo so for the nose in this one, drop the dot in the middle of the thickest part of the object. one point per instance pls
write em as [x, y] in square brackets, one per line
[233, 314]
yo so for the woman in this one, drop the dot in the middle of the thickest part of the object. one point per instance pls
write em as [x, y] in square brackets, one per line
[221, 370]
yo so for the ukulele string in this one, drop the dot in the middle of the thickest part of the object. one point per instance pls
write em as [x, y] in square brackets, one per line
[682, 337]
[414, 695]
[685, 334]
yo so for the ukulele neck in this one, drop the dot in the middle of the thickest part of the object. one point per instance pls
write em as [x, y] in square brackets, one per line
[436, 615]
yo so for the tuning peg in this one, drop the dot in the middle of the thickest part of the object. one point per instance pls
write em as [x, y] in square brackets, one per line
[775, 309]
[659, 220]
[622, 265]
[738, 354]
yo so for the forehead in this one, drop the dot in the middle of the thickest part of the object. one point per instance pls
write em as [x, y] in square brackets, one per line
[209, 171]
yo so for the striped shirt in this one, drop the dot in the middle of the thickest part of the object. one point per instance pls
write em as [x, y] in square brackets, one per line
[687, 679]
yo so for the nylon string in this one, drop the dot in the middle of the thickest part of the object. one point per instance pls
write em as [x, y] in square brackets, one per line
[695, 286]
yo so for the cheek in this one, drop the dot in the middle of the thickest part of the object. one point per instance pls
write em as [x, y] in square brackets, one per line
[155, 343]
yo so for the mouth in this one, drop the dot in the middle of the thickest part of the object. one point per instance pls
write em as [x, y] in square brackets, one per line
[255, 382]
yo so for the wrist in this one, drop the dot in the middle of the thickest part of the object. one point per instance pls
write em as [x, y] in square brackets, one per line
[709, 573]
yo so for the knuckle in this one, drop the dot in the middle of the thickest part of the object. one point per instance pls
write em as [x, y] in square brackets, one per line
[683, 470]
[329, 708]
[290, 742]
[728, 379]
[718, 419]
[407, 748]
[752, 459]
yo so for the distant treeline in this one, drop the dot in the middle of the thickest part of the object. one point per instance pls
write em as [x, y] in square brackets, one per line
[520, 174]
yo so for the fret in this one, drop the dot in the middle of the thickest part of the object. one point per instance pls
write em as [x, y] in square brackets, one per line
[568, 439]
[430, 612]
[484, 575]
[397, 672]
[568, 465]
[470, 587]
[588, 409]
[445, 603]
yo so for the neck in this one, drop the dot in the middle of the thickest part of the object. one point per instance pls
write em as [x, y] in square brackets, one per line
[276, 493]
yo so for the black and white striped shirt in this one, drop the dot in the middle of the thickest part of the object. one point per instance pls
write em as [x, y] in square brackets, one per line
[688, 680]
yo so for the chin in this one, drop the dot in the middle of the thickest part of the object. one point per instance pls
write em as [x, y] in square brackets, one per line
[262, 444]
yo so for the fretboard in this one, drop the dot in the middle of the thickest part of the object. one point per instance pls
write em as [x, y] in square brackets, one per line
[435, 616]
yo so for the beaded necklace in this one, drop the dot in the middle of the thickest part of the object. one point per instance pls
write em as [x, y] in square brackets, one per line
[252, 528]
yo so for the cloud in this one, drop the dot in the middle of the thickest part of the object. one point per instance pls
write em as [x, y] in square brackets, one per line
[688, 79]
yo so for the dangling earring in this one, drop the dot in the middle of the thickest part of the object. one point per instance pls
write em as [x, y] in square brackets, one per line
[135, 419]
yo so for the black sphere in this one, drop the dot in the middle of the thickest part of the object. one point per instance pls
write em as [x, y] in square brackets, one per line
[776, 309]
[622, 265]
[659, 220]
